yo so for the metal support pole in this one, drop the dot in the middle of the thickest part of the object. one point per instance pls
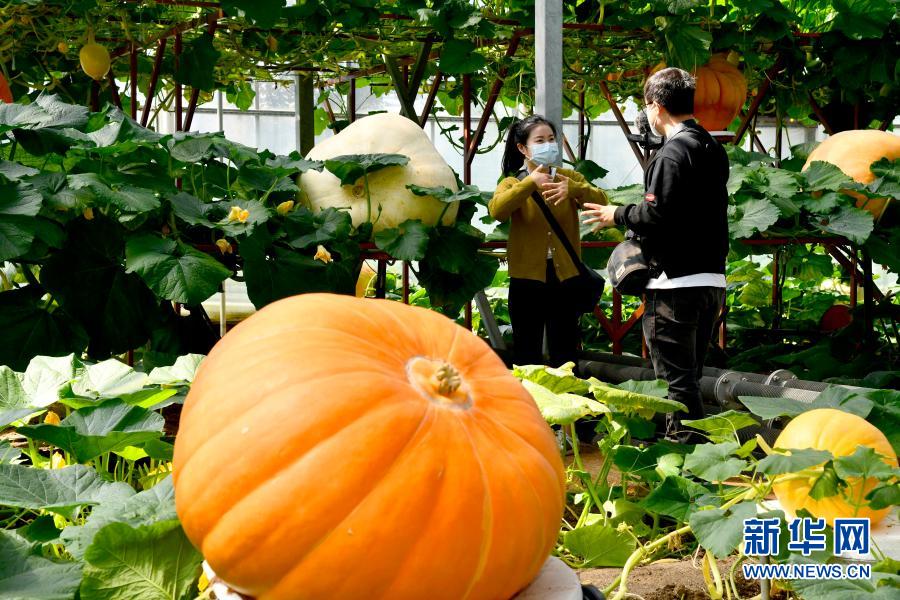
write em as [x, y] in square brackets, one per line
[868, 297]
[306, 129]
[179, 121]
[351, 102]
[548, 67]
[154, 79]
[467, 128]
[381, 279]
[133, 80]
[405, 282]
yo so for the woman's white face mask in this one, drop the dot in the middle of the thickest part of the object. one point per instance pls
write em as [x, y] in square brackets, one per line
[546, 154]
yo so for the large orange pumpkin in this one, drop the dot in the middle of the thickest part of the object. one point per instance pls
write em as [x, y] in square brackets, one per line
[854, 152]
[720, 94]
[335, 447]
[5, 92]
[840, 433]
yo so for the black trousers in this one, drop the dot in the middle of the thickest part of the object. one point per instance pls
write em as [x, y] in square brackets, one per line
[535, 306]
[678, 326]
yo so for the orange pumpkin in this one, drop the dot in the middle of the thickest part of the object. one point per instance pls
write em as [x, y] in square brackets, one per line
[853, 152]
[720, 94]
[5, 92]
[840, 433]
[335, 447]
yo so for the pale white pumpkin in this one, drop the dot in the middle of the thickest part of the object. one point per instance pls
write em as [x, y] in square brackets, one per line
[382, 133]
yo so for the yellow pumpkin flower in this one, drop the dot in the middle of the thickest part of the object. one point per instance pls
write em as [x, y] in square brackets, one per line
[88, 213]
[238, 214]
[51, 418]
[323, 254]
[57, 461]
[285, 207]
[224, 246]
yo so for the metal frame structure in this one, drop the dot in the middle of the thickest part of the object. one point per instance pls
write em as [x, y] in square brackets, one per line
[406, 84]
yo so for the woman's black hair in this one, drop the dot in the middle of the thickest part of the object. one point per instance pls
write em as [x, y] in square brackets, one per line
[518, 134]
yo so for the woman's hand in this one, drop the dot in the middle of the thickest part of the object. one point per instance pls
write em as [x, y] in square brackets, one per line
[556, 192]
[541, 177]
[599, 216]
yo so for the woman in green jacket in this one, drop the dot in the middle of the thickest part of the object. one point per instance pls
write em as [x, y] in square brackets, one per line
[538, 263]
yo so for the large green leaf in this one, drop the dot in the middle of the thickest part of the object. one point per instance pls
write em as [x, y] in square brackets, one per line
[12, 393]
[460, 57]
[845, 399]
[305, 229]
[408, 241]
[152, 562]
[600, 545]
[173, 270]
[721, 531]
[145, 508]
[853, 223]
[723, 426]
[676, 497]
[120, 308]
[563, 408]
[653, 387]
[349, 168]
[633, 403]
[450, 291]
[180, 373]
[861, 19]
[795, 460]
[110, 378]
[715, 462]
[816, 589]
[19, 204]
[46, 376]
[863, 464]
[89, 432]
[57, 490]
[24, 575]
[687, 46]
[754, 215]
[453, 247]
[29, 328]
[825, 176]
[263, 13]
[197, 63]
[559, 380]
[46, 111]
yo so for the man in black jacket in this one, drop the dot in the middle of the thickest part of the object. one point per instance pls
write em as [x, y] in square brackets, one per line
[682, 224]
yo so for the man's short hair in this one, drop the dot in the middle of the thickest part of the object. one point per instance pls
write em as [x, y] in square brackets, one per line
[672, 88]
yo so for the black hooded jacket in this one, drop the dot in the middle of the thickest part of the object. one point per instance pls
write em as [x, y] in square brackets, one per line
[682, 221]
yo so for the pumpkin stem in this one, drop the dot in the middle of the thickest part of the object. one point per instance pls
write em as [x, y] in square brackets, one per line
[448, 379]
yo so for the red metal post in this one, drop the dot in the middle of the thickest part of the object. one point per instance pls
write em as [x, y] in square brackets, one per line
[472, 146]
[154, 79]
[621, 119]
[467, 129]
[582, 146]
[114, 89]
[757, 100]
[133, 75]
[854, 283]
[429, 102]
[819, 114]
[351, 102]
[179, 121]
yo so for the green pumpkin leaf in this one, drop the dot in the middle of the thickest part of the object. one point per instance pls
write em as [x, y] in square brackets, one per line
[599, 545]
[721, 531]
[676, 497]
[109, 378]
[722, 426]
[853, 223]
[629, 402]
[796, 460]
[563, 408]
[26, 576]
[29, 328]
[408, 242]
[174, 270]
[182, 372]
[460, 57]
[715, 462]
[145, 508]
[19, 204]
[153, 562]
[46, 376]
[751, 216]
[863, 463]
[559, 380]
[822, 175]
[350, 168]
[58, 490]
[89, 432]
[197, 63]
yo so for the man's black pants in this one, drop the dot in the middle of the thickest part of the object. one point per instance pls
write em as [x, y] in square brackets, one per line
[678, 326]
[534, 305]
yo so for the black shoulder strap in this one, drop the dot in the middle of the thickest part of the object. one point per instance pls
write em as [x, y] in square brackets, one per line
[554, 225]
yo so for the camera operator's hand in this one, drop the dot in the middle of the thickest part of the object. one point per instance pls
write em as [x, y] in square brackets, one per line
[556, 192]
[541, 177]
[599, 216]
